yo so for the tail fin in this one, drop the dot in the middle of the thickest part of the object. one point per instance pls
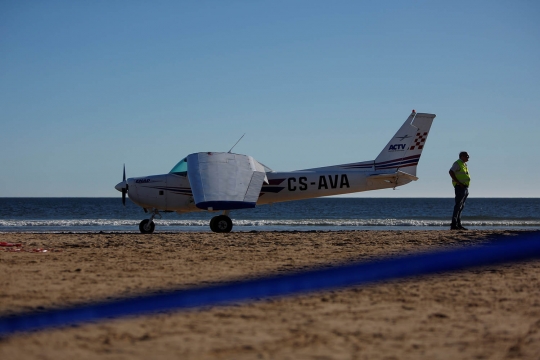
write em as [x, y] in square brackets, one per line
[405, 148]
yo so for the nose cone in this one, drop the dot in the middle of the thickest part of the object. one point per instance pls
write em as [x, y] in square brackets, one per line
[120, 186]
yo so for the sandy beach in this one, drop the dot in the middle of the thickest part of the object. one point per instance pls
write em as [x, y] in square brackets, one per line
[482, 313]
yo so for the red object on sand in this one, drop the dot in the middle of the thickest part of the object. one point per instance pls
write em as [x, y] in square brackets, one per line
[6, 244]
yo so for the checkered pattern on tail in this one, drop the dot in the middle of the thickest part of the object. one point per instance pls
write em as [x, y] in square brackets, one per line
[419, 141]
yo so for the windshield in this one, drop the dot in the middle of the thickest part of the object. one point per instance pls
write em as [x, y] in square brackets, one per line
[180, 168]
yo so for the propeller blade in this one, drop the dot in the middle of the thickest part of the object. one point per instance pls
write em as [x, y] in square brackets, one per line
[124, 188]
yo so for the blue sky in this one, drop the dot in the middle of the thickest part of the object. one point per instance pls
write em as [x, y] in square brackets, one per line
[88, 86]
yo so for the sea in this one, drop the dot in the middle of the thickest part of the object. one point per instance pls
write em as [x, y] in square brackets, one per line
[52, 215]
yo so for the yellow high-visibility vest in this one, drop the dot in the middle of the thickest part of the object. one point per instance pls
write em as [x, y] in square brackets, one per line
[462, 174]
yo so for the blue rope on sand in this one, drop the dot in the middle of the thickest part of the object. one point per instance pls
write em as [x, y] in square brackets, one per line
[518, 248]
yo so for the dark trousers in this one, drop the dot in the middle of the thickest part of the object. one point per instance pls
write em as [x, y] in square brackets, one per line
[461, 195]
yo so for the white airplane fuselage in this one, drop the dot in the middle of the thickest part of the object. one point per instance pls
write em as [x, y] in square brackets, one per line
[171, 192]
[395, 166]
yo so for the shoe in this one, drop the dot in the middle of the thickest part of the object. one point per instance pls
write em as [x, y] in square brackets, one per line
[454, 228]
[462, 228]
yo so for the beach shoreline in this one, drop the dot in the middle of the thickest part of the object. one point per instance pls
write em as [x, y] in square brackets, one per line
[489, 312]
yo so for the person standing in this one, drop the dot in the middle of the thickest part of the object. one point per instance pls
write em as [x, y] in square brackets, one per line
[461, 180]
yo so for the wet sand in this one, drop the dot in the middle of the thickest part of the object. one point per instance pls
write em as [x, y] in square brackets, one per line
[484, 313]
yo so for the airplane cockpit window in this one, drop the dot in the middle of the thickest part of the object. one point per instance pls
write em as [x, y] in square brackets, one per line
[180, 168]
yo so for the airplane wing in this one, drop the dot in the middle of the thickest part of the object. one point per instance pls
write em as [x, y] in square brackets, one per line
[393, 178]
[225, 181]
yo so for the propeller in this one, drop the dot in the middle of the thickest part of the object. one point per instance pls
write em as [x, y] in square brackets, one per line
[123, 187]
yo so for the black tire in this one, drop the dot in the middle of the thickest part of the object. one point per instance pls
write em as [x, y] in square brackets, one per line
[213, 224]
[143, 225]
[221, 224]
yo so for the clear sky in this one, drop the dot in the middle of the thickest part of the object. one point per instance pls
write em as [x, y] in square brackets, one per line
[86, 86]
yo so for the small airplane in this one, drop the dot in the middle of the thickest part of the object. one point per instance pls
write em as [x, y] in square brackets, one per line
[224, 181]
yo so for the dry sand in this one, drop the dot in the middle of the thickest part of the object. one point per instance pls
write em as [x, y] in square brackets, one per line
[484, 313]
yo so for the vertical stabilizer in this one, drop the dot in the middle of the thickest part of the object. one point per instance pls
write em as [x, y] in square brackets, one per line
[404, 149]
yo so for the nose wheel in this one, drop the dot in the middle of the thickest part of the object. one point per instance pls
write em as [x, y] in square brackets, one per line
[221, 224]
[147, 226]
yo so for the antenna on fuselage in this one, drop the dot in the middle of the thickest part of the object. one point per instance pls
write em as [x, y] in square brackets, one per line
[236, 143]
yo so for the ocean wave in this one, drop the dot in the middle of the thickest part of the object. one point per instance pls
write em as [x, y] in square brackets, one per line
[112, 223]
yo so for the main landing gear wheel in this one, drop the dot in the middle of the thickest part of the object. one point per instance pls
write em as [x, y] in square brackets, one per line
[221, 224]
[147, 226]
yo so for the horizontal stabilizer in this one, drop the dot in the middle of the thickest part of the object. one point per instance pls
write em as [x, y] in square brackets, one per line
[225, 181]
[395, 175]
[397, 178]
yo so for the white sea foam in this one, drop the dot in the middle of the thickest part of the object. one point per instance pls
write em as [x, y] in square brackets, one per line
[122, 223]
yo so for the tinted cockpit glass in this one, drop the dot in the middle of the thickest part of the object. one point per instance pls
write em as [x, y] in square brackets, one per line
[180, 168]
